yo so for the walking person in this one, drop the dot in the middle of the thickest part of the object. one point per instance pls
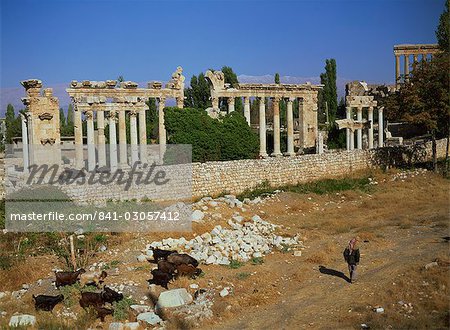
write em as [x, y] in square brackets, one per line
[351, 256]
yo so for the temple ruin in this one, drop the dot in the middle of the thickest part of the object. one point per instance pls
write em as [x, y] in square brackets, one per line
[359, 98]
[306, 93]
[97, 101]
[405, 51]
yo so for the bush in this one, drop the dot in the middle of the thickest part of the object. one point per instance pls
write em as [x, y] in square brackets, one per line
[227, 138]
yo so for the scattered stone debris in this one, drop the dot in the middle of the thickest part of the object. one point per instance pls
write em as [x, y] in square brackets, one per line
[245, 240]
[431, 265]
[225, 292]
[173, 298]
[149, 317]
[379, 310]
[124, 326]
[141, 308]
[22, 320]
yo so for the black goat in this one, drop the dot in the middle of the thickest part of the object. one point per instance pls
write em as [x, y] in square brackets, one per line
[98, 299]
[159, 254]
[160, 278]
[46, 303]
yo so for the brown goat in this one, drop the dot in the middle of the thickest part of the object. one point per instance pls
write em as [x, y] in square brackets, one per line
[102, 312]
[188, 270]
[182, 258]
[159, 254]
[98, 299]
[46, 303]
[67, 278]
[166, 267]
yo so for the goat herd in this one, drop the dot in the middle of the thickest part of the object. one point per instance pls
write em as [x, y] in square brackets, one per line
[170, 265]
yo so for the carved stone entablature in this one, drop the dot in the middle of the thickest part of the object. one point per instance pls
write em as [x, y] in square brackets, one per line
[154, 85]
[352, 124]
[411, 49]
[129, 84]
[360, 101]
[31, 83]
[111, 83]
[50, 141]
[45, 116]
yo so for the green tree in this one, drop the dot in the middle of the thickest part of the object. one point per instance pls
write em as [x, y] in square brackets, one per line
[70, 115]
[198, 93]
[62, 119]
[13, 124]
[277, 78]
[442, 31]
[231, 78]
[329, 92]
[151, 120]
[424, 100]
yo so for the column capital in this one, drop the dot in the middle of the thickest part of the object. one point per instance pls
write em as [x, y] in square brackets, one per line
[89, 114]
[161, 99]
[230, 100]
[276, 99]
[262, 99]
[246, 99]
[132, 113]
[112, 115]
[290, 100]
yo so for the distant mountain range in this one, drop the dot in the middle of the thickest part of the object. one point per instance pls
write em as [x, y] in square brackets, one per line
[13, 95]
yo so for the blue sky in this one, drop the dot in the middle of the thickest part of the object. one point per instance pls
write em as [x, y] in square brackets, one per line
[58, 41]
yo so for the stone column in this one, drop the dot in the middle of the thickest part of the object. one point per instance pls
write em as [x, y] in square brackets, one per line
[90, 140]
[352, 139]
[276, 127]
[370, 118]
[133, 137]
[380, 127]
[406, 68]
[359, 130]
[112, 141]
[230, 101]
[262, 127]
[348, 116]
[78, 132]
[25, 153]
[247, 109]
[415, 58]
[290, 128]
[143, 135]
[397, 70]
[301, 128]
[215, 102]
[122, 139]
[180, 102]
[162, 128]
[101, 138]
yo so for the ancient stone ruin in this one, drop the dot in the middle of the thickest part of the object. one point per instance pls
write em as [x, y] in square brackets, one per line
[306, 93]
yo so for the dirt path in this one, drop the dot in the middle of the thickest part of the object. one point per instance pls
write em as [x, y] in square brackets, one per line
[324, 301]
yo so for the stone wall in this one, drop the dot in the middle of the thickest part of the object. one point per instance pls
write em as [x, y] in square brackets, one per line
[214, 178]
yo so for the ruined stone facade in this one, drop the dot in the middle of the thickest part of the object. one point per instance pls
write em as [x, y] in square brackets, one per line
[306, 93]
[358, 97]
[406, 51]
[40, 124]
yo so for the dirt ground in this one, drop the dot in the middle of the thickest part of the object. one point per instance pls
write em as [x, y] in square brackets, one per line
[402, 225]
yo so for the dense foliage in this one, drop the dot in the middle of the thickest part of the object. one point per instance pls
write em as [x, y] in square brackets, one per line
[212, 139]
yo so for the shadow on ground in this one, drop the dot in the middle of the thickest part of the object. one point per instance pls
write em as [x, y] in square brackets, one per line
[332, 272]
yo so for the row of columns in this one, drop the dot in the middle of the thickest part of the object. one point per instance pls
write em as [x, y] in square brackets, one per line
[138, 132]
[276, 128]
[350, 132]
[406, 65]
